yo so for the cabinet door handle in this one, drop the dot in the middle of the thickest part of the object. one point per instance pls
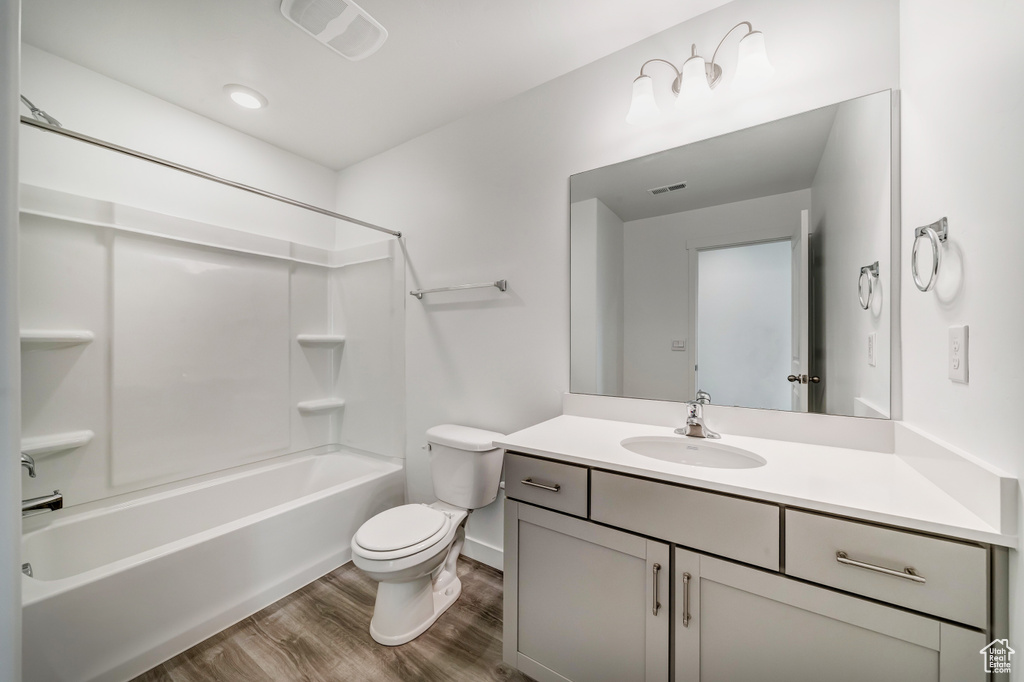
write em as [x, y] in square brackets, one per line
[686, 600]
[656, 606]
[553, 488]
[907, 573]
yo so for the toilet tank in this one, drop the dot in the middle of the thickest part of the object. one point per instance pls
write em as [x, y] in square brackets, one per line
[465, 465]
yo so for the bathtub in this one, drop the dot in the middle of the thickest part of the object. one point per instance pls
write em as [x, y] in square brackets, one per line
[120, 586]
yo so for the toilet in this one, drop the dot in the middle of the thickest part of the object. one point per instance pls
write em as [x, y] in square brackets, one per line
[412, 550]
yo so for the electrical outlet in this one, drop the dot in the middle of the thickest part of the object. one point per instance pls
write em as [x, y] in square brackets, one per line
[872, 343]
[958, 354]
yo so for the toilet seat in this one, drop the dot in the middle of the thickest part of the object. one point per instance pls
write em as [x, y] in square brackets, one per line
[401, 532]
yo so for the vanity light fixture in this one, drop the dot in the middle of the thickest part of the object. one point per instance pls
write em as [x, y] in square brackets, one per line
[245, 97]
[694, 82]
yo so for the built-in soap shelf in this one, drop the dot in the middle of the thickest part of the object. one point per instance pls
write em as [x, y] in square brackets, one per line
[55, 338]
[320, 340]
[57, 442]
[321, 405]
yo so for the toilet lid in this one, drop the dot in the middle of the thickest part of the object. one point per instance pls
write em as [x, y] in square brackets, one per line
[401, 527]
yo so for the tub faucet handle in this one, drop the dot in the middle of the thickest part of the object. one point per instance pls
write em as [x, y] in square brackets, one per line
[30, 464]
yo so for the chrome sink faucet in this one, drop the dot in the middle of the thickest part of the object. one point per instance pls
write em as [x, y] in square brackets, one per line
[695, 426]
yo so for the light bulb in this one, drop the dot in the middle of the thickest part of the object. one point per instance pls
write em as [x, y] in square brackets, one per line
[752, 65]
[643, 109]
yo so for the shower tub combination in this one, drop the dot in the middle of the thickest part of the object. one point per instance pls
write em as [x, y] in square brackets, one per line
[121, 586]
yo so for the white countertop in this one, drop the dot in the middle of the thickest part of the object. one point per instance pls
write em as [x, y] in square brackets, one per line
[872, 486]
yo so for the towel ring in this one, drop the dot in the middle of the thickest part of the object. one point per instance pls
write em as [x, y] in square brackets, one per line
[871, 272]
[936, 232]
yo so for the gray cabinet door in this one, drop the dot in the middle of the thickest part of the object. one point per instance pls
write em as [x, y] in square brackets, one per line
[584, 602]
[747, 624]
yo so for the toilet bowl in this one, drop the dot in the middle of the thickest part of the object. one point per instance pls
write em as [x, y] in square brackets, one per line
[412, 550]
[418, 581]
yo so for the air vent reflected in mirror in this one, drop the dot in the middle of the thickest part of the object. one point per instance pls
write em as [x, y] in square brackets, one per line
[654, 191]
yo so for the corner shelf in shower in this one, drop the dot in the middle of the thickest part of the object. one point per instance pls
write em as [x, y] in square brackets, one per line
[57, 442]
[55, 338]
[322, 405]
[320, 340]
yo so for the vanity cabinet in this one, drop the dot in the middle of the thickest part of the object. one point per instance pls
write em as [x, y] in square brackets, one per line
[757, 591]
[583, 602]
[736, 623]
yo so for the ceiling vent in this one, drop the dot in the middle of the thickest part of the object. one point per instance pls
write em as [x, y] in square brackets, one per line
[654, 191]
[341, 25]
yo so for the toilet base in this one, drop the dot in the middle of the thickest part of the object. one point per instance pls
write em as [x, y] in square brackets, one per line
[405, 610]
[440, 601]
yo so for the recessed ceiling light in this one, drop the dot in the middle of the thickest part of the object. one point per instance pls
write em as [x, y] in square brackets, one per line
[245, 97]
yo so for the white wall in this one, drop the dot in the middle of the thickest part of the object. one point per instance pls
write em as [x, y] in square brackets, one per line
[487, 197]
[657, 284]
[596, 271]
[851, 213]
[10, 392]
[962, 151]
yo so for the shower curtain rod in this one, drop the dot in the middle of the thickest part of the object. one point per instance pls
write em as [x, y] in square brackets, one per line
[198, 173]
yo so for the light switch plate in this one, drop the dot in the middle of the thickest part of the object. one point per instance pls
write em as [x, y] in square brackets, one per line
[872, 343]
[679, 344]
[958, 338]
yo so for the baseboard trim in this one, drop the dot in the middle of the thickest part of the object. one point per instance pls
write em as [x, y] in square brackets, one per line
[484, 553]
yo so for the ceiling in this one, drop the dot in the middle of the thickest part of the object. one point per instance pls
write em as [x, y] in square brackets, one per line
[442, 60]
[777, 157]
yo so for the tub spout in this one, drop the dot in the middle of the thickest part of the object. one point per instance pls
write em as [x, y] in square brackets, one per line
[45, 503]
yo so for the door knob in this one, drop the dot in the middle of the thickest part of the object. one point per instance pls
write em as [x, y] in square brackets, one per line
[802, 379]
[792, 378]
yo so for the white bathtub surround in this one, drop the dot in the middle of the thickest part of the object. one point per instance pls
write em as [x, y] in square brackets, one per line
[245, 362]
[864, 484]
[166, 569]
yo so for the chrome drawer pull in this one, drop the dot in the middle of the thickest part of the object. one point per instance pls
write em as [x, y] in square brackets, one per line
[686, 600]
[656, 606]
[553, 488]
[907, 573]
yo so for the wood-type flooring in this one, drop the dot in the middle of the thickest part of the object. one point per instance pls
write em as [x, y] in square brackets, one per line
[321, 633]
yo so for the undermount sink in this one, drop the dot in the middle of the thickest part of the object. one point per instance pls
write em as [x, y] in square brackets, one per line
[693, 451]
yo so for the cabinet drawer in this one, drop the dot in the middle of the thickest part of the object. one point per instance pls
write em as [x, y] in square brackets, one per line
[718, 524]
[531, 480]
[952, 577]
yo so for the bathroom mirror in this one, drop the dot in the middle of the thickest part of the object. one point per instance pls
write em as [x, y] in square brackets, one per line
[755, 266]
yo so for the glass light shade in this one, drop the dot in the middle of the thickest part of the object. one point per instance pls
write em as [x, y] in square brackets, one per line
[643, 109]
[752, 65]
[245, 97]
[693, 87]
